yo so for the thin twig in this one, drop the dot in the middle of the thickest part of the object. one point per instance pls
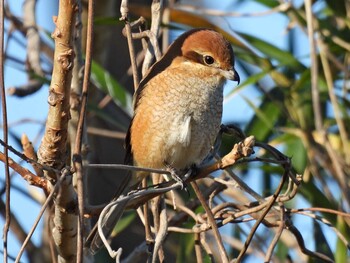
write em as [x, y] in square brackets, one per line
[64, 173]
[127, 167]
[28, 150]
[18, 230]
[277, 236]
[124, 11]
[302, 247]
[77, 159]
[105, 133]
[156, 7]
[27, 175]
[18, 24]
[33, 37]
[32, 86]
[25, 158]
[338, 118]
[161, 229]
[250, 211]
[197, 247]
[262, 216]
[147, 222]
[5, 133]
[222, 251]
[207, 247]
[329, 224]
[321, 209]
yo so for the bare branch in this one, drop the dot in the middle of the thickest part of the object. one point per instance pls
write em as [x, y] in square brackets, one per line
[27, 175]
[77, 158]
[156, 7]
[63, 176]
[28, 151]
[33, 46]
[222, 251]
[53, 149]
[277, 236]
[26, 89]
[5, 134]
[264, 213]
[124, 11]
[306, 251]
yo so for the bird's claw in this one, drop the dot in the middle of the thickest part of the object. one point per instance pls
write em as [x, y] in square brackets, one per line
[178, 179]
[181, 180]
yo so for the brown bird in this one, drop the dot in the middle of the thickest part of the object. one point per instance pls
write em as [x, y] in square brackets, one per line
[178, 105]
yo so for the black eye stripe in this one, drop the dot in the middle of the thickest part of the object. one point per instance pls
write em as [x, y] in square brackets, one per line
[200, 58]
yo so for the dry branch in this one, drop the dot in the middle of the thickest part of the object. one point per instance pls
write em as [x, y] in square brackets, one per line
[5, 134]
[53, 149]
[28, 151]
[33, 46]
[27, 175]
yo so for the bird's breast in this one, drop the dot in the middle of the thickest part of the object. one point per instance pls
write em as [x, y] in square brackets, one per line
[176, 121]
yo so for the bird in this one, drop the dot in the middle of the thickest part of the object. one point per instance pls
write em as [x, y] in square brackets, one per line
[178, 105]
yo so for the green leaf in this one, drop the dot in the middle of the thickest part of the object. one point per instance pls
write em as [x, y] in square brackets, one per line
[105, 20]
[185, 250]
[105, 81]
[321, 243]
[107, 117]
[264, 64]
[284, 58]
[317, 198]
[263, 122]
[338, 7]
[268, 3]
[294, 148]
[341, 251]
[282, 251]
[253, 79]
[124, 222]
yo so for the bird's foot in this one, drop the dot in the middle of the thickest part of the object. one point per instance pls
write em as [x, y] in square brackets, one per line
[179, 179]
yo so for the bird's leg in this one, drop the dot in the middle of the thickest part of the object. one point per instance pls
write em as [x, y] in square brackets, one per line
[176, 177]
[192, 171]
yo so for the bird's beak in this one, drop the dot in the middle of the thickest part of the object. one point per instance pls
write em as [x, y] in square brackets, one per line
[236, 77]
[231, 75]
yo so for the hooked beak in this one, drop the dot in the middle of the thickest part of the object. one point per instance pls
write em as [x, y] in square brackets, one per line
[236, 77]
[231, 75]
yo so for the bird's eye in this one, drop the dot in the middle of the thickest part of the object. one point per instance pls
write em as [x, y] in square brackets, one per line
[208, 60]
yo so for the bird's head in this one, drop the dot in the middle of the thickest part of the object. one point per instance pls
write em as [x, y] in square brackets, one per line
[210, 49]
[202, 47]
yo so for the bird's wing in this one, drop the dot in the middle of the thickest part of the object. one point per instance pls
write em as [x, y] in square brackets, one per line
[128, 158]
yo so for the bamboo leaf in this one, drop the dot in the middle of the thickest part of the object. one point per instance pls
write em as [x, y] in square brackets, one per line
[283, 57]
[104, 81]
